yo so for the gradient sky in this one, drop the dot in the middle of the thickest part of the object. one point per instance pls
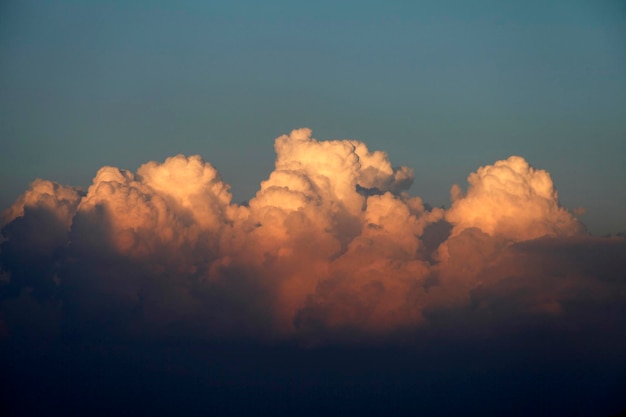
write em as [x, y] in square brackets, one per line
[443, 87]
[330, 292]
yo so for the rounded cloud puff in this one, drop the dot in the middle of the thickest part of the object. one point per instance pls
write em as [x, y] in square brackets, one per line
[171, 212]
[511, 199]
[58, 199]
[192, 185]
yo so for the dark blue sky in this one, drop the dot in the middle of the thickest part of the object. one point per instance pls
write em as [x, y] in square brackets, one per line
[443, 87]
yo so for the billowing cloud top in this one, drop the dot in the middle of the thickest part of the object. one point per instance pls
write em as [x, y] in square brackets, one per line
[513, 200]
[330, 248]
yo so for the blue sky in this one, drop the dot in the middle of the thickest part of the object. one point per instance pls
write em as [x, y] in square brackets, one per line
[443, 87]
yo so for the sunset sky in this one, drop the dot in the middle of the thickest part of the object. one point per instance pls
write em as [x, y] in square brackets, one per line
[331, 208]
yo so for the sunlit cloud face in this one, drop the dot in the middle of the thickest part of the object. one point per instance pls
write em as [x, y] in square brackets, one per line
[513, 200]
[331, 248]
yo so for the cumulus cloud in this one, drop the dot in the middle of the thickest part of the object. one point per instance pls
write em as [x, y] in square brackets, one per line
[170, 214]
[513, 200]
[45, 196]
[331, 247]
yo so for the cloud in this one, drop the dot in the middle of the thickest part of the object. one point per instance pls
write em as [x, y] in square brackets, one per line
[513, 200]
[45, 196]
[331, 248]
[174, 204]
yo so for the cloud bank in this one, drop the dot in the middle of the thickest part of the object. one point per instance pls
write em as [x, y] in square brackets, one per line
[331, 249]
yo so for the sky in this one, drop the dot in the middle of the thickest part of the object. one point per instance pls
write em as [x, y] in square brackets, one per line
[443, 88]
[346, 208]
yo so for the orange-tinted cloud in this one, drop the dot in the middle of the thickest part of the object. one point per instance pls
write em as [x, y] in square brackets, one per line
[330, 248]
[513, 200]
